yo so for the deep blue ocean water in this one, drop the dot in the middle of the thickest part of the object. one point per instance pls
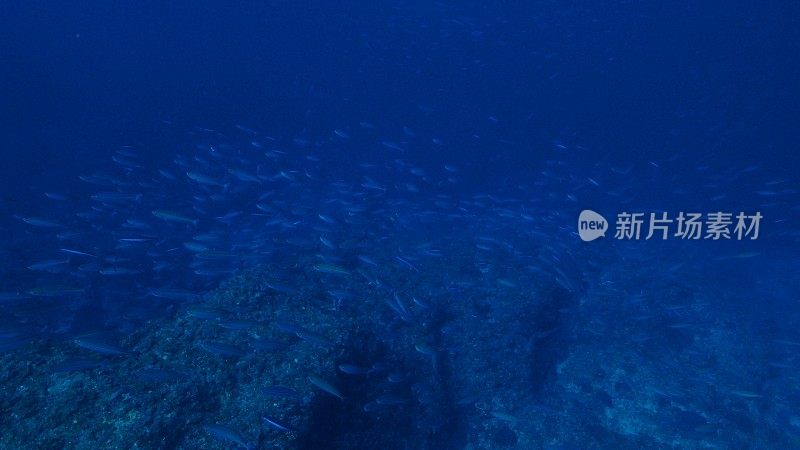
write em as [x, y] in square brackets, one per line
[386, 195]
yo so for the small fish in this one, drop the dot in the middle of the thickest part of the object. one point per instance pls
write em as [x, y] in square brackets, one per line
[39, 222]
[174, 294]
[48, 265]
[745, 394]
[747, 255]
[137, 239]
[425, 349]
[77, 252]
[241, 175]
[274, 423]
[168, 175]
[118, 271]
[407, 263]
[392, 145]
[352, 369]
[331, 269]
[391, 400]
[204, 179]
[195, 247]
[505, 417]
[420, 303]
[56, 196]
[327, 219]
[172, 216]
[228, 434]
[117, 197]
[506, 283]
[326, 386]
[13, 296]
[99, 346]
[327, 242]
[395, 378]
[55, 291]
[367, 260]
[313, 337]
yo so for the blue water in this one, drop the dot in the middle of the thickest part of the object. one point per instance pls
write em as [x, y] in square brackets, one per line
[374, 206]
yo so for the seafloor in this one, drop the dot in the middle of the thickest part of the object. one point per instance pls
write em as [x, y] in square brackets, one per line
[475, 347]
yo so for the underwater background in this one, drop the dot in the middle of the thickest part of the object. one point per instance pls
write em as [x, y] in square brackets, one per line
[356, 225]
